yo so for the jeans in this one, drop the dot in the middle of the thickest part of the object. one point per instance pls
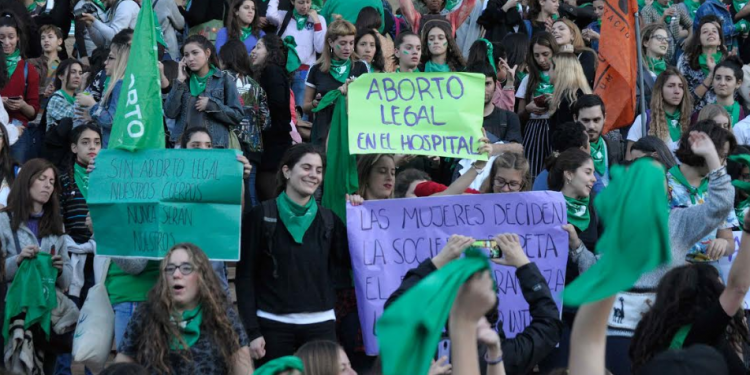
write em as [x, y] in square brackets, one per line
[29, 145]
[251, 193]
[298, 87]
[221, 272]
[123, 312]
[617, 359]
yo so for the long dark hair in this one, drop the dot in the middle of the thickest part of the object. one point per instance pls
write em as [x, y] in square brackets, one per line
[478, 53]
[378, 61]
[568, 161]
[719, 136]
[234, 58]
[7, 163]
[64, 70]
[190, 132]
[291, 157]
[651, 144]
[517, 47]
[400, 40]
[161, 328]
[277, 53]
[682, 295]
[365, 167]
[453, 56]
[544, 39]
[234, 30]
[205, 45]
[4, 78]
[20, 205]
[368, 19]
[693, 48]
[10, 19]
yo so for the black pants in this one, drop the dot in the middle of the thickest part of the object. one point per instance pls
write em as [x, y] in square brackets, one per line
[284, 339]
[618, 361]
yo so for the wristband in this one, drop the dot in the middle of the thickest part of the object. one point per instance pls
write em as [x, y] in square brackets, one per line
[495, 361]
[705, 85]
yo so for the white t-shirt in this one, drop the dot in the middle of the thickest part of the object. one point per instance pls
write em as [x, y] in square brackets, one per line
[521, 94]
[636, 133]
[741, 131]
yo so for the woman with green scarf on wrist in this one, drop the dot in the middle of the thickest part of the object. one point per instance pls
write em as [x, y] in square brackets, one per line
[241, 24]
[702, 53]
[442, 54]
[336, 67]
[187, 325]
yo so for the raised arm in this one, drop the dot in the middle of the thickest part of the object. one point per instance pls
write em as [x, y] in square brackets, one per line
[738, 281]
[588, 340]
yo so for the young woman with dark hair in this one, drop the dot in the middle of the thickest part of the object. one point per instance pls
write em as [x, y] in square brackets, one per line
[187, 324]
[653, 147]
[408, 52]
[442, 53]
[367, 46]
[377, 175]
[68, 80]
[542, 13]
[283, 304]
[483, 51]
[369, 19]
[241, 24]
[517, 48]
[727, 80]
[702, 53]
[203, 94]
[437, 10]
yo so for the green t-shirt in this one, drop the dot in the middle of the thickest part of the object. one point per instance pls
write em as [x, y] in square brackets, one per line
[349, 9]
[124, 287]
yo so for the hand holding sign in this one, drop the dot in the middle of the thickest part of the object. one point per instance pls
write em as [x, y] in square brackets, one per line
[456, 246]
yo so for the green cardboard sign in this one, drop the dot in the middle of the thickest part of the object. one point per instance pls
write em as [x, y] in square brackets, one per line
[437, 114]
[142, 203]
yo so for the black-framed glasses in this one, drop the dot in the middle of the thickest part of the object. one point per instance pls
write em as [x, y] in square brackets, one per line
[660, 38]
[185, 269]
[499, 184]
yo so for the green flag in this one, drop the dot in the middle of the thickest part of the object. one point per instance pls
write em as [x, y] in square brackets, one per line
[341, 166]
[642, 186]
[138, 123]
[32, 292]
[407, 338]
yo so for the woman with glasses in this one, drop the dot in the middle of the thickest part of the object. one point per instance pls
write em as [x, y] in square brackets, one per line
[509, 174]
[654, 52]
[187, 325]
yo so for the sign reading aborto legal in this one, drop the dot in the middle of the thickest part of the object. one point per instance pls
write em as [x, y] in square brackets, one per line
[143, 203]
[437, 114]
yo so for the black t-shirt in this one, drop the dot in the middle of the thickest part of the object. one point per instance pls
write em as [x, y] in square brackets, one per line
[503, 124]
[710, 328]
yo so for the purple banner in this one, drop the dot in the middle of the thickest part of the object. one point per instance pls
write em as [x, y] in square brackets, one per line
[387, 238]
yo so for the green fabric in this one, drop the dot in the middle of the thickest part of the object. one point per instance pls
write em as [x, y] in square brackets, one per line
[124, 287]
[32, 291]
[734, 112]
[692, 7]
[159, 31]
[742, 207]
[520, 75]
[198, 84]
[299, 19]
[82, 179]
[292, 58]
[68, 98]
[578, 212]
[32, 7]
[490, 53]
[624, 260]
[599, 154]
[100, 4]
[246, 32]
[450, 4]
[11, 61]
[599, 22]
[544, 87]
[641, 4]
[398, 70]
[702, 61]
[673, 122]
[340, 69]
[741, 25]
[656, 65]
[297, 219]
[349, 10]
[190, 329]
[693, 191]
[431, 67]
[279, 365]
[341, 165]
[661, 8]
[407, 338]
[679, 338]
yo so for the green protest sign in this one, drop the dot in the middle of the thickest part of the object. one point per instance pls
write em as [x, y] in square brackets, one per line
[142, 203]
[438, 114]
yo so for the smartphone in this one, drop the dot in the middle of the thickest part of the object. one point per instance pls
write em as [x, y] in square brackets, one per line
[15, 97]
[541, 101]
[491, 246]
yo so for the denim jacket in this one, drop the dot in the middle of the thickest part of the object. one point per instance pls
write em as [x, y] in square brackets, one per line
[719, 10]
[223, 112]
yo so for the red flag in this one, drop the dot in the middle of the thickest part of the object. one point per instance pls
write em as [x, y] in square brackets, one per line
[618, 63]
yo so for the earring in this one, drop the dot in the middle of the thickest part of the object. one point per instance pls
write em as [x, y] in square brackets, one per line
[568, 181]
[59, 48]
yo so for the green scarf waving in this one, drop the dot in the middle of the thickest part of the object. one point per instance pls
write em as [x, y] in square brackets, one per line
[673, 123]
[279, 365]
[100, 4]
[742, 26]
[693, 191]
[297, 219]
[341, 164]
[12, 61]
[32, 292]
[292, 58]
[702, 60]
[742, 207]
[578, 212]
[190, 329]
[81, 177]
[407, 340]
[623, 260]
[490, 52]
[599, 154]
[431, 67]
[198, 84]
[734, 112]
[656, 66]
[692, 7]
[340, 69]
[544, 87]
[660, 10]
[299, 19]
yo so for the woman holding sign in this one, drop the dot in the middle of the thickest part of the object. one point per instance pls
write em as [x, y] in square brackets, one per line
[293, 254]
[442, 54]
[336, 67]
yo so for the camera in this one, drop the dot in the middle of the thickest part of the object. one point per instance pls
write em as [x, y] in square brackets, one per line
[86, 8]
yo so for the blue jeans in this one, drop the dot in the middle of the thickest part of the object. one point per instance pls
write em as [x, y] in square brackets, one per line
[221, 272]
[29, 145]
[123, 312]
[298, 87]
[252, 194]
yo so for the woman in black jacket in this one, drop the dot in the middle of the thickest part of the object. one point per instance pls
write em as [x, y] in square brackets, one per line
[292, 253]
[500, 18]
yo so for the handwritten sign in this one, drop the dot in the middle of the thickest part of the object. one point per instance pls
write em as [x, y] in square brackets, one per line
[145, 202]
[387, 238]
[725, 264]
[438, 114]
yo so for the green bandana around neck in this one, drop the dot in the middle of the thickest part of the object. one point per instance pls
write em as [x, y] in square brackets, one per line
[520, 75]
[68, 98]
[190, 328]
[299, 19]
[578, 212]
[431, 67]
[656, 65]
[279, 365]
[292, 58]
[661, 8]
[12, 61]
[743, 206]
[398, 70]
[679, 337]
[599, 154]
[673, 123]
[340, 69]
[734, 112]
[32, 292]
[490, 53]
[100, 4]
[738, 5]
[35, 4]
[246, 32]
[81, 178]
[702, 61]
[198, 84]
[544, 87]
[599, 22]
[692, 7]
[297, 219]
[693, 191]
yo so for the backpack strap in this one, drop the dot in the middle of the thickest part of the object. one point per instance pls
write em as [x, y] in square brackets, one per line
[285, 23]
[270, 218]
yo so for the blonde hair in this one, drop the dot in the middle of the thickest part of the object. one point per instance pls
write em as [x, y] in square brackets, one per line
[507, 160]
[569, 78]
[658, 126]
[578, 44]
[121, 53]
[710, 111]
[336, 29]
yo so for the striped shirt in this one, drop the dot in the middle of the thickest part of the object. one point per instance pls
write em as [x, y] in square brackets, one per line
[73, 208]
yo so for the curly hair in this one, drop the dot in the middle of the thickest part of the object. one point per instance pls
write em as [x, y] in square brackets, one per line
[682, 295]
[719, 136]
[161, 326]
[453, 56]
[277, 53]
[659, 126]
